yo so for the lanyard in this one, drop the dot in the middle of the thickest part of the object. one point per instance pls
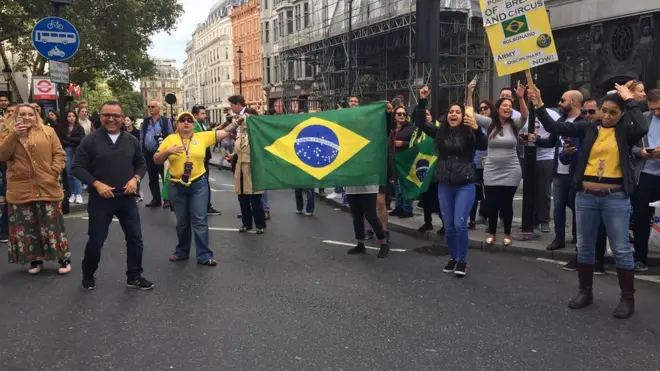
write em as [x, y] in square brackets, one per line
[186, 149]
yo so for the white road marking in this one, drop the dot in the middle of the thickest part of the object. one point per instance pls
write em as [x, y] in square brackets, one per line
[212, 179]
[223, 229]
[649, 278]
[221, 190]
[353, 244]
[227, 185]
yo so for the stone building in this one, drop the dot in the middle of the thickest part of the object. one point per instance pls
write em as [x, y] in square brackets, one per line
[246, 34]
[165, 81]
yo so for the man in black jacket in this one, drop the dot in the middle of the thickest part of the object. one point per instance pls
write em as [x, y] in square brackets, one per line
[111, 163]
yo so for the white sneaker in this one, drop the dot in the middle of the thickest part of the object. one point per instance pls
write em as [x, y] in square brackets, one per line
[79, 199]
[333, 196]
[72, 199]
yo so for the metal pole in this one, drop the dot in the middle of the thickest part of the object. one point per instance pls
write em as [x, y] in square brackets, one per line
[349, 48]
[434, 30]
[61, 88]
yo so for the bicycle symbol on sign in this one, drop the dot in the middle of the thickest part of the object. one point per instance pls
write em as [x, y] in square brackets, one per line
[55, 25]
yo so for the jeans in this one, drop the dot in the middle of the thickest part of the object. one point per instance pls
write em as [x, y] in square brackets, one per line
[75, 187]
[401, 203]
[100, 212]
[264, 200]
[190, 205]
[363, 206]
[456, 203]
[614, 210]
[299, 199]
[647, 191]
[564, 196]
[543, 185]
[252, 208]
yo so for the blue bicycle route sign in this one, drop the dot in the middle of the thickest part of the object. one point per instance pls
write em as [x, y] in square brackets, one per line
[55, 39]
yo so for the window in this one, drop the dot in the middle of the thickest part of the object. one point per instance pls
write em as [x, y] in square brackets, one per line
[299, 69]
[309, 69]
[275, 31]
[226, 53]
[266, 32]
[267, 70]
[290, 70]
[276, 68]
[265, 4]
[297, 15]
[280, 20]
[306, 15]
[289, 22]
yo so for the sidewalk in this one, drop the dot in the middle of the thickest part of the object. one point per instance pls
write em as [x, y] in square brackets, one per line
[477, 237]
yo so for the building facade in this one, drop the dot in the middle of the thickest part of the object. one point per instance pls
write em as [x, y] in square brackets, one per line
[22, 79]
[246, 33]
[207, 71]
[165, 81]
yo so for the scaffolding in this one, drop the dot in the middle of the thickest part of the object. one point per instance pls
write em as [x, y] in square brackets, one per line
[382, 52]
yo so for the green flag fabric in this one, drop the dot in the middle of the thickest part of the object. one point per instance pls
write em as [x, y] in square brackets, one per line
[327, 149]
[415, 167]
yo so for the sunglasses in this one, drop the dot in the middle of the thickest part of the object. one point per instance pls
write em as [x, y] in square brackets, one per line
[483, 108]
[591, 111]
[152, 106]
[187, 119]
[401, 114]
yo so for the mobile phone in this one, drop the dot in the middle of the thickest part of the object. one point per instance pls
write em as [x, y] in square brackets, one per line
[649, 150]
[524, 137]
[20, 120]
[475, 79]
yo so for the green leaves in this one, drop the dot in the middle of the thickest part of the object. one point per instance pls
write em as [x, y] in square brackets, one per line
[115, 35]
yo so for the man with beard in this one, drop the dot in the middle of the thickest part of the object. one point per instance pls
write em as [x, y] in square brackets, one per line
[199, 112]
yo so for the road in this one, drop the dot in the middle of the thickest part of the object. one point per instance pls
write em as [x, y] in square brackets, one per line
[287, 300]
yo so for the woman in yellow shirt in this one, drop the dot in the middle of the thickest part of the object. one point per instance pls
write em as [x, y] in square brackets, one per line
[188, 185]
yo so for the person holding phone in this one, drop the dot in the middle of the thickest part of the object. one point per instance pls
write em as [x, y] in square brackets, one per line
[35, 159]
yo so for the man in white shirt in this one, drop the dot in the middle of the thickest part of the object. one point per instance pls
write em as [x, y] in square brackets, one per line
[83, 119]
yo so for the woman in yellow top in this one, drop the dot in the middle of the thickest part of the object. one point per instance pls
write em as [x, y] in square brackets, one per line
[188, 185]
[605, 177]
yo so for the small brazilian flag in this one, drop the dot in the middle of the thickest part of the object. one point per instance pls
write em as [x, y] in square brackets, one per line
[415, 167]
[328, 149]
[515, 26]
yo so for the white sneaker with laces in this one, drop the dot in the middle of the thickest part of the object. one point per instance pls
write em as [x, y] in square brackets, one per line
[79, 199]
[72, 199]
[334, 196]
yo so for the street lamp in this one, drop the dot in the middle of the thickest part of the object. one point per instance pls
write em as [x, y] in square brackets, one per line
[240, 71]
[6, 73]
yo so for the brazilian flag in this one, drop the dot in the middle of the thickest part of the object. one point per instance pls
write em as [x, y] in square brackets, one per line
[327, 149]
[415, 167]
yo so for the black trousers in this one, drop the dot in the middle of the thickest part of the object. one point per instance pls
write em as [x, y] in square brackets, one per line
[363, 206]
[500, 205]
[101, 211]
[252, 209]
[430, 203]
[208, 173]
[154, 171]
[648, 190]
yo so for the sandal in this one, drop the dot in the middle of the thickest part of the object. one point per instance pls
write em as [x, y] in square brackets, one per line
[209, 263]
[244, 229]
[35, 267]
[65, 266]
[506, 241]
[176, 258]
[260, 231]
[490, 240]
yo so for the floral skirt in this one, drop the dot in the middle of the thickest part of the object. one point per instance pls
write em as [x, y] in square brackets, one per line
[36, 232]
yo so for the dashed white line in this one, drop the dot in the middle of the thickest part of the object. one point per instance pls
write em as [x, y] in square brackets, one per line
[353, 244]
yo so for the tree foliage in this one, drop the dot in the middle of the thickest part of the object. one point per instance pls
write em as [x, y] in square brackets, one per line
[115, 35]
[101, 90]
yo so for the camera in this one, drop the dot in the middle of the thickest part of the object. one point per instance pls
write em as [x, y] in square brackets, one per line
[158, 137]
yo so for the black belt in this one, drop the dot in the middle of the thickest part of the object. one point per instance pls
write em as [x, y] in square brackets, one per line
[603, 192]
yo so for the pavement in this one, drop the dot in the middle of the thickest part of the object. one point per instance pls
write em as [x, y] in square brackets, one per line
[477, 237]
[292, 299]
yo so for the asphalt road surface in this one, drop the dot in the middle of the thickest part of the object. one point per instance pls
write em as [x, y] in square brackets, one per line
[287, 300]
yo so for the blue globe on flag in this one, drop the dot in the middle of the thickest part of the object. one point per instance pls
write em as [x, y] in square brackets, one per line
[317, 146]
[421, 168]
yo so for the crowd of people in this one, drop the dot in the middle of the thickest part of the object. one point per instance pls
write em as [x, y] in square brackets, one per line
[599, 157]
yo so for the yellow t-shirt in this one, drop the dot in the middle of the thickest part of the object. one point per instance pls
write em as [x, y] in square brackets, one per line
[196, 146]
[604, 164]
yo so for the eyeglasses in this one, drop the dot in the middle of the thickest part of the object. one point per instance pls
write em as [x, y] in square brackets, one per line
[152, 106]
[401, 114]
[483, 108]
[187, 119]
[591, 111]
[112, 115]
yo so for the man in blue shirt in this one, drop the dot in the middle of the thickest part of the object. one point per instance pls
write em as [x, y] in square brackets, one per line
[153, 130]
[647, 174]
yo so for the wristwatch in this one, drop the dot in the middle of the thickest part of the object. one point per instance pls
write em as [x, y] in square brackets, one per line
[137, 178]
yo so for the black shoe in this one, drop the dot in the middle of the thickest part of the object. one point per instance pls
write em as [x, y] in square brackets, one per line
[384, 251]
[425, 227]
[571, 266]
[166, 204]
[441, 231]
[405, 215]
[358, 249]
[395, 212]
[599, 269]
[154, 203]
[472, 225]
[450, 267]
[89, 283]
[140, 284]
[4, 238]
[461, 269]
[213, 211]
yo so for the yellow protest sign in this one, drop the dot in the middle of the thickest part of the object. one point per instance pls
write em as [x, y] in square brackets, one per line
[519, 34]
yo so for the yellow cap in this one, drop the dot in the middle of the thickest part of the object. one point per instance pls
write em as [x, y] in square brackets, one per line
[185, 113]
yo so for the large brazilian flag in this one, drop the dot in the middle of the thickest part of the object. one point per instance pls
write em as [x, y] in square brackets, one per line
[344, 147]
[415, 167]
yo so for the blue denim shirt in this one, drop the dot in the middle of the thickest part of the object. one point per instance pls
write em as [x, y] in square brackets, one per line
[150, 142]
[478, 155]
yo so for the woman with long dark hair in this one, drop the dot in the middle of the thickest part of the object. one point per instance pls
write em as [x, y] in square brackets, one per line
[606, 180]
[71, 133]
[455, 142]
[502, 172]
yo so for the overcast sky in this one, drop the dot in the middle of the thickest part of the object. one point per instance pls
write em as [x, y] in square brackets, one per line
[173, 46]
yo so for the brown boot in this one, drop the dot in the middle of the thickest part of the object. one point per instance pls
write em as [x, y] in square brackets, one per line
[626, 306]
[586, 279]
[556, 245]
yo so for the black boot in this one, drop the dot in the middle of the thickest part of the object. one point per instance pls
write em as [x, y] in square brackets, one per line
[626, 306]
[585, 296]
[425, 227]
[384, 251]
[358, 249]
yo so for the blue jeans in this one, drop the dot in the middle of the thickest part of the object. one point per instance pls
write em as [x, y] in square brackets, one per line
[100, 211]
[75, 187]
[455, 205]
[264, 200]
[402, 204]
[299, 199]
[564, 196]
[190, 204]
[614, 210]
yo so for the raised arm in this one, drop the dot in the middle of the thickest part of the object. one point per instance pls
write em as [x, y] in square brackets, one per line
[576, 128]
[638, 126]
[524, 112]
[419, 116]
[228, 130]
